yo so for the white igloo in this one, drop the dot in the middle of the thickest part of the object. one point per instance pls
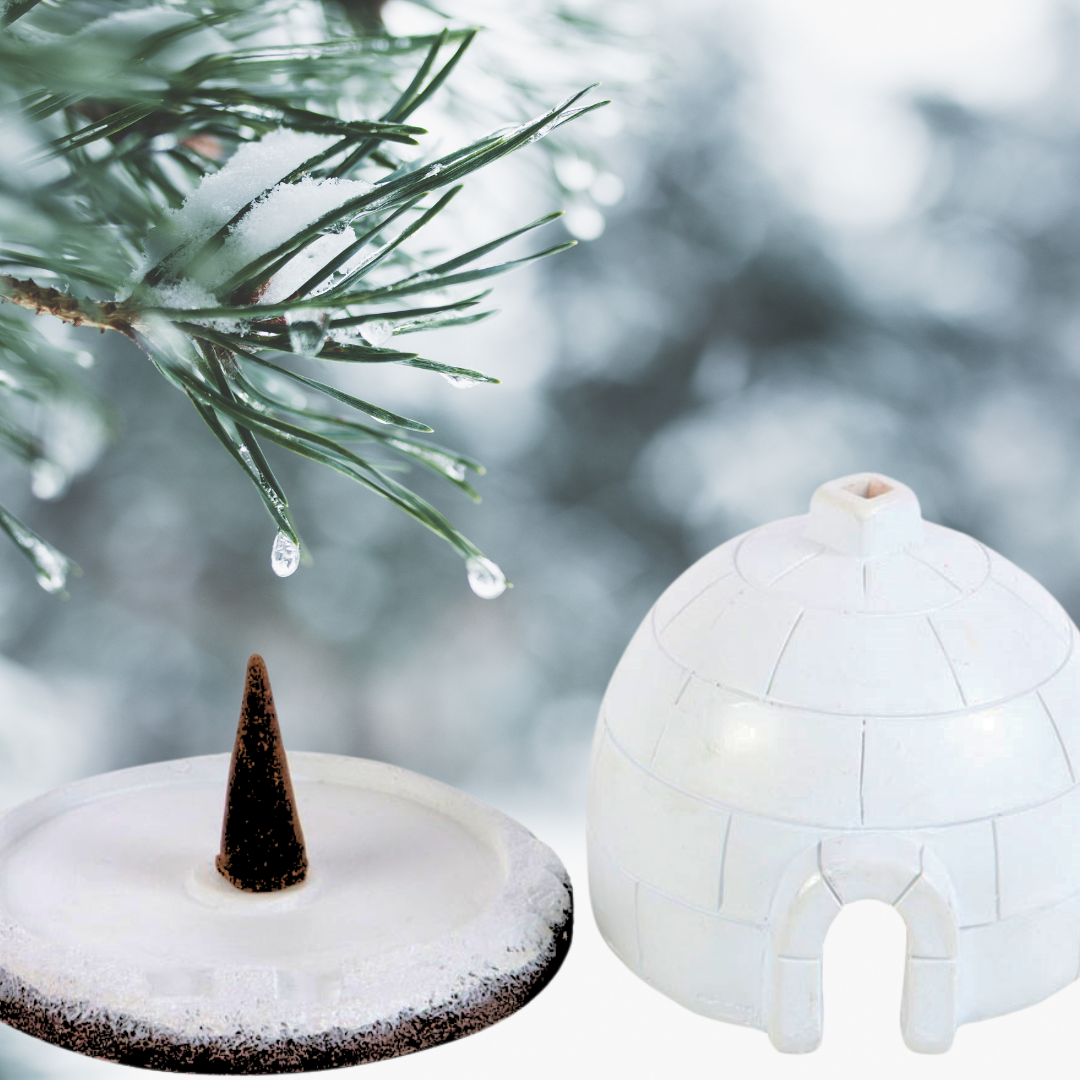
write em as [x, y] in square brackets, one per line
[845, 705]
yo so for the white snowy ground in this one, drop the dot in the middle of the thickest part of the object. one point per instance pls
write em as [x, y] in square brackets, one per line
[598, 1020]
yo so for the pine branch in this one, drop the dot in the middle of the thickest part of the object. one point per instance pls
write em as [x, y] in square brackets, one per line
[127, 135]
[67, 308]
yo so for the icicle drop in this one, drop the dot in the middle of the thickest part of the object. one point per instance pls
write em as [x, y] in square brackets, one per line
[459, 382]
[47, 480]
[485, 577]
[50, 568]
[307, 331]
[284, 556]
[378, 333]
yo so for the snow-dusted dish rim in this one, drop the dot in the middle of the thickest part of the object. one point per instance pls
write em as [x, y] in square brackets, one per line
[391, 1004]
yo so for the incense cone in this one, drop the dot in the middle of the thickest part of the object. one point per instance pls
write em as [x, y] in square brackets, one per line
[262, 844]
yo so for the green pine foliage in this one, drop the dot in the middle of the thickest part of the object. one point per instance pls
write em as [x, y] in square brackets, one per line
[114, 114]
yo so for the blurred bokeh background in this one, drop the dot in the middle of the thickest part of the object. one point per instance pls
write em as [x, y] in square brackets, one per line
[816, 239]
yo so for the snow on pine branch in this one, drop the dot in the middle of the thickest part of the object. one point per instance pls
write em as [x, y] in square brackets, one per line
[244, 240]
[282, 212]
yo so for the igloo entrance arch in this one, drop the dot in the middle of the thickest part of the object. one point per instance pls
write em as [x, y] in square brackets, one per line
[841, 870]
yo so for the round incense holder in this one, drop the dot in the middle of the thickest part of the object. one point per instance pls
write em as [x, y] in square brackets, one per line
[422, 915]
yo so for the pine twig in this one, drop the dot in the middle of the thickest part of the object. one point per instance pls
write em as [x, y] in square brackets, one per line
[79, 311]
[131, 129]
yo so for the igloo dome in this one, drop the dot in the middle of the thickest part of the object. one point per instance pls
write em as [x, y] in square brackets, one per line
[845, 705]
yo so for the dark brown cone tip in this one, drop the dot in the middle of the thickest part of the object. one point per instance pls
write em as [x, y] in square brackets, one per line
[262, 844]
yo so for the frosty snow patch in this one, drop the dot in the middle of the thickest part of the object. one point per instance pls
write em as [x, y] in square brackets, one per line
[253, 174]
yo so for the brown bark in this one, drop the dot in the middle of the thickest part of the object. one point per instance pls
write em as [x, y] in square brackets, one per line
[79, 311]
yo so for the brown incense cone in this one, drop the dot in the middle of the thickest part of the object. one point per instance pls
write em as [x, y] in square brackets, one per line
[262, 844]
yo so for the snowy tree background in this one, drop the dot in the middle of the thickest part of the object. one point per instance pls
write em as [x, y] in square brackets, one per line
[863, 255]
[725, 345]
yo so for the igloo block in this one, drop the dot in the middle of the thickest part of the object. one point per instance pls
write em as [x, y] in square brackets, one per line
[850, 704]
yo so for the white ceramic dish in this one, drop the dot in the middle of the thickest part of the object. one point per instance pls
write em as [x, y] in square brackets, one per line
[426, 915]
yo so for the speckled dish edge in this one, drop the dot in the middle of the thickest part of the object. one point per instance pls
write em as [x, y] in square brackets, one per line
[47, 991]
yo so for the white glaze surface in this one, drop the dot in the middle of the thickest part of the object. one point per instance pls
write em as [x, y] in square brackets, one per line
[111, 876]
[852, 703]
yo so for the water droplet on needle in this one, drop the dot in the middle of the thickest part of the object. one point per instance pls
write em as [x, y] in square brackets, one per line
[284, 556]
[51, 569]
[459, 382]
[485, 577]
[307, 331]
[47, 480]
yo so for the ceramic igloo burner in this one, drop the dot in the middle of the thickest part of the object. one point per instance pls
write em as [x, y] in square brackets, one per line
[846, 705]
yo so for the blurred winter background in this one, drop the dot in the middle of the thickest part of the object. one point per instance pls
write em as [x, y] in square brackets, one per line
[821, 238]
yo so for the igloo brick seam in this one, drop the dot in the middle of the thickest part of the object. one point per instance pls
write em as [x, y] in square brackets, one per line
[850, 704]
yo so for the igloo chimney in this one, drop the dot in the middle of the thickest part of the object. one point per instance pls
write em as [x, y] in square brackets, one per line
[865, 515]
